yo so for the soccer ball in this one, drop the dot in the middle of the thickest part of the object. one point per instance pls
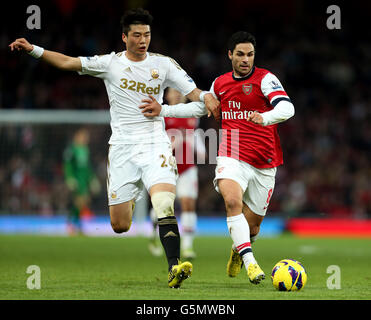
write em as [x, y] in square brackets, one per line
[289, 275]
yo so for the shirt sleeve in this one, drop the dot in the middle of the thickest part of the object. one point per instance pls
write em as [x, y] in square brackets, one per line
[273, 89]
[178, 79]
[96, 66]
[281, 112]
[212, 90]
[184, 110]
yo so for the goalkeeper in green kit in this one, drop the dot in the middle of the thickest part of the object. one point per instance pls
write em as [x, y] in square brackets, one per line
[80, 178]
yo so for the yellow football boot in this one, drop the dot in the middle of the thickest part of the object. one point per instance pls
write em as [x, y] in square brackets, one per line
[255, 273]
[179, 273]
[235, 264]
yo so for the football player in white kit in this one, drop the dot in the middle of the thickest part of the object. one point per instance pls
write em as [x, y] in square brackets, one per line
[140, 154]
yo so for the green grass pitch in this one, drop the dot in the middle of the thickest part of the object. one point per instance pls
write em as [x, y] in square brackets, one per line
[122, 268]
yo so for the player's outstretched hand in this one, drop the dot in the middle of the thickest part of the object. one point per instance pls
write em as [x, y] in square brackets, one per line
[256, 118]
[213, 106]
[21, 44]
[150, 108]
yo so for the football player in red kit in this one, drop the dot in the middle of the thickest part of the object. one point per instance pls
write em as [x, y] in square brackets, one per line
[185, 142]
[253, 102]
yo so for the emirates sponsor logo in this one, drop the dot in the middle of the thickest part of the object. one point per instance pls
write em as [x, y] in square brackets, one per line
[235, 115]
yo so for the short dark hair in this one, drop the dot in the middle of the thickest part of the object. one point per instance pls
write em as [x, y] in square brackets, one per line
[135, 16]
[240, 37]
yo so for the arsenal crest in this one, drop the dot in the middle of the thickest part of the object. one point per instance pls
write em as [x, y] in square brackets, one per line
[247, 88]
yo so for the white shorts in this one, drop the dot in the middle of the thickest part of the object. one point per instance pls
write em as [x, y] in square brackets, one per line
[131, 168]
[187, 184]
[257, 184]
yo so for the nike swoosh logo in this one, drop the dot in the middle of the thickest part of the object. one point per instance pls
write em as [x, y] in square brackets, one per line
[220, 93]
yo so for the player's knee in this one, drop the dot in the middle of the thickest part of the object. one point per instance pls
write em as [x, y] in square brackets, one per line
[188, 204]
[121, 217]
[163, 203]
[120, 227]
[233, 203]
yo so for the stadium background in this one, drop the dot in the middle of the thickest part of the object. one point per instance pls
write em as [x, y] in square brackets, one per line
[327, 73]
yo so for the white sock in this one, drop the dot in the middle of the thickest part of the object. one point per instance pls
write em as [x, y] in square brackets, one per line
[252, 240]
[188, 221]
[240, 234]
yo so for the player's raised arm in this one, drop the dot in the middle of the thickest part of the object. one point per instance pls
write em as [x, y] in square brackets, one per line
[211, 103]
[56, 59]
[151, 108]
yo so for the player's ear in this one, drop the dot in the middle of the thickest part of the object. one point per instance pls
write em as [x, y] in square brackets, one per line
[230, 54]
[124, 38]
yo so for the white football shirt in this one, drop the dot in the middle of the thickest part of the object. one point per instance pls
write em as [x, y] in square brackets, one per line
[127, 83]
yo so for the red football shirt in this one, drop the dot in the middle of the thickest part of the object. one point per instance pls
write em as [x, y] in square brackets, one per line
[243, 140]
[185, 158]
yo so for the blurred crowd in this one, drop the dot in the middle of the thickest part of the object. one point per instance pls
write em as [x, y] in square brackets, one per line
[32, 178]
[327, 74]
